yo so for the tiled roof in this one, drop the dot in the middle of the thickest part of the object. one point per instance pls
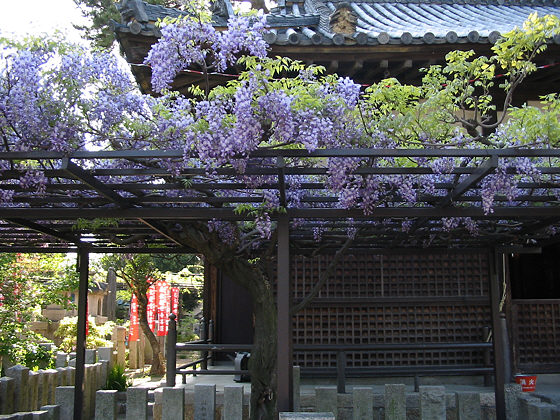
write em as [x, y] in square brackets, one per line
[308, 22]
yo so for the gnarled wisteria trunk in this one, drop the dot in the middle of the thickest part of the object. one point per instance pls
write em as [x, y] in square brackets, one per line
[262, 364]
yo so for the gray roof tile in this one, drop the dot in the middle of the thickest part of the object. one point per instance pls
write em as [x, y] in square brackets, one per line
[378, 21]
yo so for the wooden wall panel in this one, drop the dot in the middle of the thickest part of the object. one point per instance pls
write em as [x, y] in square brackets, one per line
[393, 299]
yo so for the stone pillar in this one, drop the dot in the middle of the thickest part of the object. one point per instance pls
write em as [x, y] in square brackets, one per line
[51, 381]
[133, 354]
[362, 403]
[142, 350]
[61, 376]
[296, 377]
[43, 388]
[512, 392]
[64, 398]
[326, 400]
[555, 414]
[137, 403]
[106, 405]
[468, 405]
[40, 415]
[204, 402]
[71, 375]
[7, 389]
[33, 390]
[53, 410]
[173, 404]
[110, 301]
[432, 402]
[21, 377]
[107, 354]
[103, 373]
[158, 401]
[395, 402]
[61, 359]
[233, 403]
[120, 335]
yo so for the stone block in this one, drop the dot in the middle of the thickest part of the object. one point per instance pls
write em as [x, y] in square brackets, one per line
[296, 377]
[362, 403]
[24, 415]
[12, 416]
[21, 378]
[7, 389]
[395, 402]
[555, 413]
[136, 403]
[40, 415]
[91, 355]
[540, 411]
[432, 402]
[61, 360]
[306, 416]
[326, 400]
[53, 410]
[106, 405]
[204, 402]
[468, 406]
[233, 403]
[64, 398]
[174, 404]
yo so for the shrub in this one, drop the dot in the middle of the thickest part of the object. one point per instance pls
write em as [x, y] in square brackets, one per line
[117, 380]
[98, 335]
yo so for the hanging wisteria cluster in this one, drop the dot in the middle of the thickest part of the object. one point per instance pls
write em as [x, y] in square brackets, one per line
[67, 99]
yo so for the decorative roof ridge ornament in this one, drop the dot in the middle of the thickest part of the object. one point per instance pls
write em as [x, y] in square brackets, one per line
[343, 20]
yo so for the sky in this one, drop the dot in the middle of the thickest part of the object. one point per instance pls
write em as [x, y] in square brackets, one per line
[22, 17]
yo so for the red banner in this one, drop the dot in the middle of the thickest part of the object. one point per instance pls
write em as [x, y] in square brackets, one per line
[175, 302]
[151, 308]
[134, 333]
[163, 306]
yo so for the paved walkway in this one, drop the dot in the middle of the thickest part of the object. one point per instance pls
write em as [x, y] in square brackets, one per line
[548, 386]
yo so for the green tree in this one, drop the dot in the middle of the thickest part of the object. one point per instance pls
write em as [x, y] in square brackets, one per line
[29, 282]
[100, 13]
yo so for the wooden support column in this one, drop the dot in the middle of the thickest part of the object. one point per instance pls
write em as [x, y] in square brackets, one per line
[284, 295]
[499, 373]
[83, 269]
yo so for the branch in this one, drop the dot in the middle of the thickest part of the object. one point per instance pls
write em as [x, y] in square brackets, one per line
[324, 276]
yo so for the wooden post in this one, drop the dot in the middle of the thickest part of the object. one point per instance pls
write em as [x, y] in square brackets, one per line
[171, 352]
[284, 331]
[83, 268]
[499, 382]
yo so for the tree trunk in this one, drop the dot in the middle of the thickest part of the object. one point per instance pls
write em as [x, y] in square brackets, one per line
[262, 364]
[158, 364]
